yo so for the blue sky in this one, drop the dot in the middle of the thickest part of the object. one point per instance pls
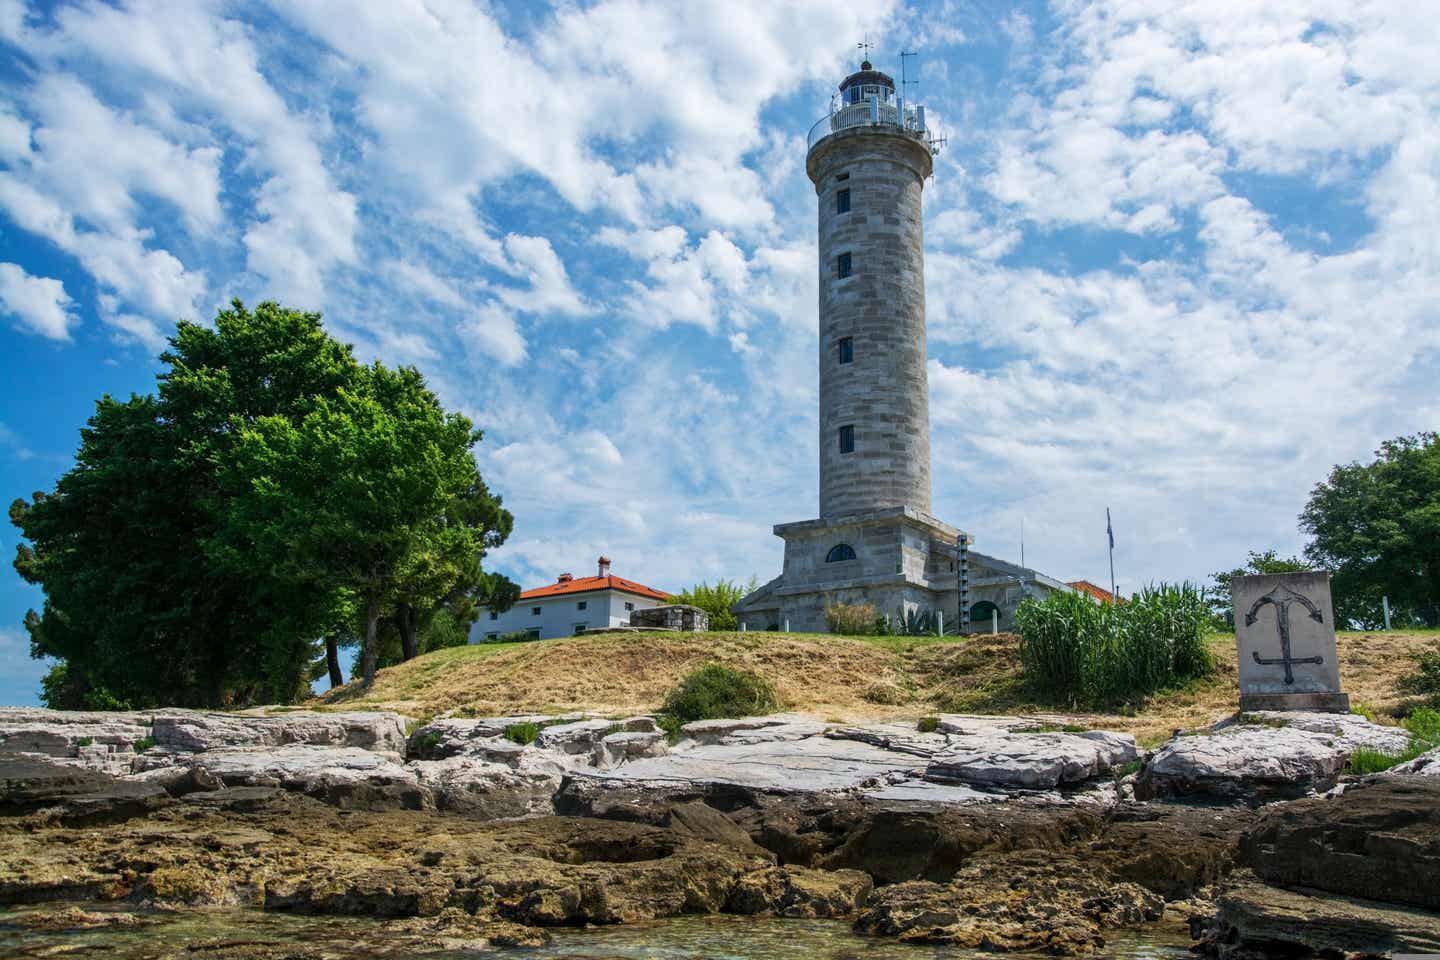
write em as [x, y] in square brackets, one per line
[1180, 258]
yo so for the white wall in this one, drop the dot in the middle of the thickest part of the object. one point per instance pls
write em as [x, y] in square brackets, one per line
[560, 614]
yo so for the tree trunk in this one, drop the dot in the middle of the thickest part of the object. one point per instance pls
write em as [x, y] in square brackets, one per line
[368, 653]
[407, 619]
[332, 660]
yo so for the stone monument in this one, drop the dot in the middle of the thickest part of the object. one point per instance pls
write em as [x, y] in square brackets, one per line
[1285, 634]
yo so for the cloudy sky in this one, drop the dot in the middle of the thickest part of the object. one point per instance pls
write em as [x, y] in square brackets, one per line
[1181, 257]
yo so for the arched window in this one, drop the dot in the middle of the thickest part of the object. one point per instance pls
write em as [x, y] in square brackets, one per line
[841, 551]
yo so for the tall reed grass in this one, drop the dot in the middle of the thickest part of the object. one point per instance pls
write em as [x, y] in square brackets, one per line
[1078, 651]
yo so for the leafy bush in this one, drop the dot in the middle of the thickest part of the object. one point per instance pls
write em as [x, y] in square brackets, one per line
[1424, 725]
[851, 619]
[717, 600]
[928, 724]
[1425, 681]
[143, 744]
[522, 733]
[715, 691]
[1076, 650]
[428, 742]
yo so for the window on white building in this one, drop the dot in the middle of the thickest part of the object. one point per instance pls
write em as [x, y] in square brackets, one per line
[579, 628]
[629, 606]
[581, 604]
[534, 611]
[494, 615]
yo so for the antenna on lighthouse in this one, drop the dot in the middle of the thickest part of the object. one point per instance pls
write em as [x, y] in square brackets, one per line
[905, 84]
[865, 47]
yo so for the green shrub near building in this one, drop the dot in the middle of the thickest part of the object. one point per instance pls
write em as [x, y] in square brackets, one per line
[1078, 651]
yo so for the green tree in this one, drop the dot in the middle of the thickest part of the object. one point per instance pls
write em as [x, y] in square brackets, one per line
[1218, 593]
[372, 494]
[152, 594]
[1376, 527]
[717, 600]
[135, 608]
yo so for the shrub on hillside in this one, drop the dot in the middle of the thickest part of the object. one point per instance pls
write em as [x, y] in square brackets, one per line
[853, 619]
[714, 692]
[1076, 650]
[1425, 681]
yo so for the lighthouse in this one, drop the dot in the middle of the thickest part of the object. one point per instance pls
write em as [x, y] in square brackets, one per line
[869, 162]
[875, 540]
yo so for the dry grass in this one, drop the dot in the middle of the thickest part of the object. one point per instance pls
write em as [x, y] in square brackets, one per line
[830, 677]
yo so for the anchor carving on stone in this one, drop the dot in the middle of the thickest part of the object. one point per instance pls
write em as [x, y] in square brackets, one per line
[1281, 599]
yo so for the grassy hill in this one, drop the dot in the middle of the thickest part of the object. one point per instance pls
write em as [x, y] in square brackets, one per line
[831, 677]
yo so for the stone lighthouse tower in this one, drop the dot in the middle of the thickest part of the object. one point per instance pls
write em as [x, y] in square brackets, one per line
[869, 164]
[875, 541]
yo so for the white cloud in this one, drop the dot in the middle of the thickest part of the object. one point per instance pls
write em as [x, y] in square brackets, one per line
[302, 224]
[491, 330]
[535, 261]
[39, 303]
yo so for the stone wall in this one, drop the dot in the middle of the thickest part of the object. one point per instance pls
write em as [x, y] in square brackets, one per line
[672, 616]
[882, 392]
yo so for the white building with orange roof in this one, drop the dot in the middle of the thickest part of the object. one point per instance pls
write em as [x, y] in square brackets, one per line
[569, 606]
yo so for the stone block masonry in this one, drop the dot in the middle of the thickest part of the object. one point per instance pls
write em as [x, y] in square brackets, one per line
[672, 616]
[879, 309]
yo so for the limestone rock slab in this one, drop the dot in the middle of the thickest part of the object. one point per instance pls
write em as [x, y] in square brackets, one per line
[1266, 763]
[454, 736]
[375, 731]
[1425, 765]
[618, 748]
[1032, 761]
[812, 765]
[62, 733]
[1349, 729]
[746, 730]
[347, 777]
[492, 791]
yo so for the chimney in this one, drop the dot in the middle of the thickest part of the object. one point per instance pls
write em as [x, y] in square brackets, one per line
[565, 578]
[604, 566]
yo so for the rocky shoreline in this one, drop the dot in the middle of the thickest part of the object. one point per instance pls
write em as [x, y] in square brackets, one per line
[998, 833]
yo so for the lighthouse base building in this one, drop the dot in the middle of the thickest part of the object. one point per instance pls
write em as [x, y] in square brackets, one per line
[900, 561]
[875, 540]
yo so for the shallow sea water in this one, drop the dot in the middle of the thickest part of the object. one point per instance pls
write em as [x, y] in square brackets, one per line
[235, 934]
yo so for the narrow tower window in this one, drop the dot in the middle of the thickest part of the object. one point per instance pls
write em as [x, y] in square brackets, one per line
[842, 201]
[847, 439]
[842, 176]
[847, 349]
[840, 552]
[842, 265]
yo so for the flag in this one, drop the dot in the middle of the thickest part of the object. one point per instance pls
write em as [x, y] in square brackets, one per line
[1109, 531]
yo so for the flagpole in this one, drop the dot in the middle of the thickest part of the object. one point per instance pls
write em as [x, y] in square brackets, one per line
[1110, 532]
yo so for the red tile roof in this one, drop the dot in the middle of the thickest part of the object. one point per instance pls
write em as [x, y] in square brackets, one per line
[586, 584]
[1099, 593]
